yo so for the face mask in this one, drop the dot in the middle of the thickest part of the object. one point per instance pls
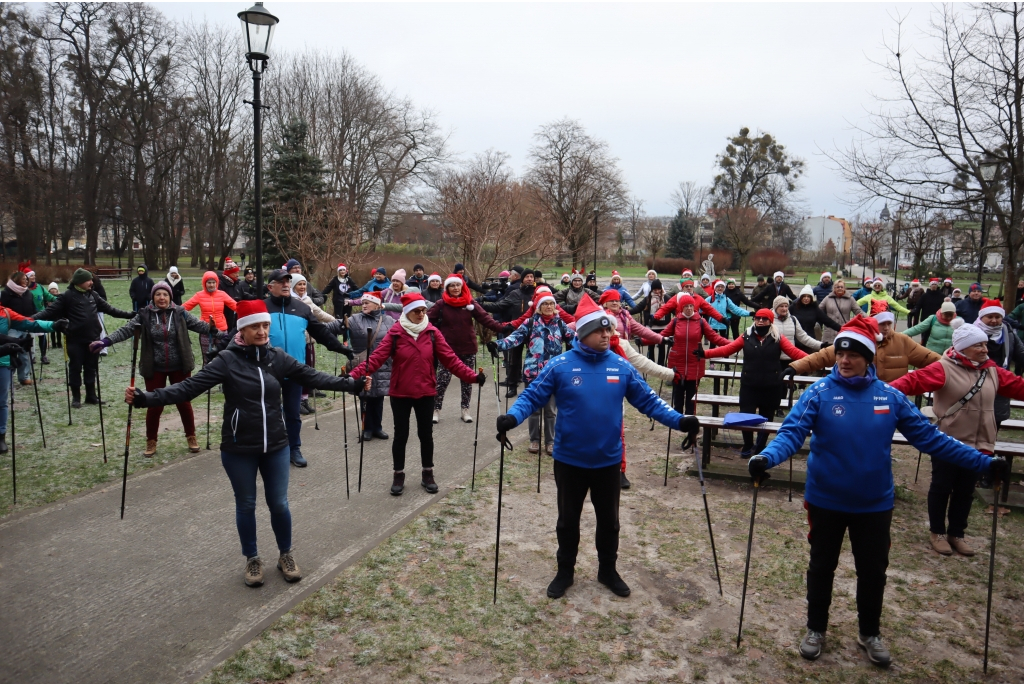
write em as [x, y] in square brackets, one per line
[762, 331]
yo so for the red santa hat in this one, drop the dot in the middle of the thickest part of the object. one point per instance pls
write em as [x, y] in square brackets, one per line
[453, 278]
[765, 314]
[718, 282]
[933, 280]
[411, 301]
[542, 295]
[824, 274]
[991, 307]
[434, 277]
[590, 317]
[250, 312]
[615, 274]
[341, 265]
[24, 267]
[609, 296]
[687, 273]
[375, 294]
[859, 335]
[948, 280]
[916, 281]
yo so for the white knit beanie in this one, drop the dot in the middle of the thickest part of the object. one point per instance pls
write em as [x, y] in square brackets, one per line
[966, 335]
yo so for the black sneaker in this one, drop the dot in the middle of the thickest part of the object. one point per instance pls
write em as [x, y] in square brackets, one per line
[298, 459]
[512, 392]
[380, 435]
[304, 408]
[427, 481]
[76, 403]
[612, 580]
[319, 393]
[812, 644]
[398, 484]
[623, 481]
[45, 360]
[94, 400]
[3, 443]
[563, 581]
[367, 436]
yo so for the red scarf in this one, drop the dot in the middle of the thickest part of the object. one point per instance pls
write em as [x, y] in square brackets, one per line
[615, 347]
[461, 301]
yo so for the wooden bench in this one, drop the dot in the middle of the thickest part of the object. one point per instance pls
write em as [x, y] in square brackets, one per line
[718, 376]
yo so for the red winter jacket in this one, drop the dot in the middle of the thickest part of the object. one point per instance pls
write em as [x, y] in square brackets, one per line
[688, 334]
[702, 307]
[456, 324]
[412, 367]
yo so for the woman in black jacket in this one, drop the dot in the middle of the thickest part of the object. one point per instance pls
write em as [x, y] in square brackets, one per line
[807, 313]
[253, 436]
[339, 287]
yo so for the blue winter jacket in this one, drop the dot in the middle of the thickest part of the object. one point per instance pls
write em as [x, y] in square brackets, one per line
[726, 308]
[9, 324]
[861, 293]
[849, 467]
[290, 318]
[588, 388]
[623, 293]
[372, 286]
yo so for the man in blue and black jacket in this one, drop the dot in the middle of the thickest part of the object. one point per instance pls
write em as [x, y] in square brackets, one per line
[290, 320]
[850, 483]
[590, 381]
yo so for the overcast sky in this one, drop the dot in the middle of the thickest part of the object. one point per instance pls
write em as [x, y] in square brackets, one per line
[663, 84]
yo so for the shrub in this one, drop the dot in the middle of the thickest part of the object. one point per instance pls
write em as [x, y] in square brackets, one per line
[674, 265]
[45, 273]
[768, 262]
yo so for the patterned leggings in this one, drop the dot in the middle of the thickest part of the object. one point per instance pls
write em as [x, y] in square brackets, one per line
[444, 377]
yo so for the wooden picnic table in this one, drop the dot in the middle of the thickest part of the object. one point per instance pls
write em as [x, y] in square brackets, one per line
[718, 376]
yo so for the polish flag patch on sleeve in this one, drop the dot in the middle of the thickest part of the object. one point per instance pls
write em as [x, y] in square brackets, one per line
[613, 379]
[882, 409]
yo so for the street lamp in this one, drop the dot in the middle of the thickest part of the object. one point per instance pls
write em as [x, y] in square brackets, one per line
[117, 234]
[988, 168]
[258, 27]
[597, 212]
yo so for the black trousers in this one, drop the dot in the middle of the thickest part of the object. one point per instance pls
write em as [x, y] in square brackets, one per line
[734, 325]
[515, 365]
[870, 542]
[763, 400]
[79, 357]
[952, 491]
[42, 345]
[374, 413]
[684, 394]
[401, 408]
[573, 483]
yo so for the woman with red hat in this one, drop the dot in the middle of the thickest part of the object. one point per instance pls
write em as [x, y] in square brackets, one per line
[763, 347]
[253, 435]
[628, 327]
[453, 316]
[415, 347]
[687, 332]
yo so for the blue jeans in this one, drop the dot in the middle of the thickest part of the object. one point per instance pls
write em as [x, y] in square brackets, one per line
[5, 397]
[24, 359]
[291, 397]
[274, 467]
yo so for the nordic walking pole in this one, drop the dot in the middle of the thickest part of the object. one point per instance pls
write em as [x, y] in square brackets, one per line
[476, 434]
[497, 377]
[336, 373]
[344, 428]
[137, 333]
[99, 400]
[991, 562]
[791, 461]
[746, 567]
[14, 442]
[39, 411]
[362, 408]
[707, 515]
[668, 447]
[67, 382]
[918, 470]
[661, 386]
[209, 349]
[503, 439]
[540, 451]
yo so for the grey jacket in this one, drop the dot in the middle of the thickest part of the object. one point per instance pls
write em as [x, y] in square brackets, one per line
[164, 345]
[840, 310]
[379, 323]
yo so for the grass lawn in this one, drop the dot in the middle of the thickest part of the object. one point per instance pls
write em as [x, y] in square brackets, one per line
[419, 608]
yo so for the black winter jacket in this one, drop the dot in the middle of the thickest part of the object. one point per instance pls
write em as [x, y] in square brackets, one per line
[930, 302]
[225, 283]
[515, 303]
[771, 291]
[140, 288]
[164, 345]
[808, 315]
[80, 309]
[253, 422]
[246, 290]
[22, 304]
[177, 290]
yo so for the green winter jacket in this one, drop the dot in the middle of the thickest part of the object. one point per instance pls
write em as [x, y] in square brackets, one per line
[41, 297]
[893, 304]
[940, 335]
[1016, 315]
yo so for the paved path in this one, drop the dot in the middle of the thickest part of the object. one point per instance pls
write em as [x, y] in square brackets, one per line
[158, 597]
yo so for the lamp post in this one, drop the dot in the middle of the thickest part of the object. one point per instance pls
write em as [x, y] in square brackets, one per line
[258, 27]
[597, 212]
[989, 167]
[117, 234]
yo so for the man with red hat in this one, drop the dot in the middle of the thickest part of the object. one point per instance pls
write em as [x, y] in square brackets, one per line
[850, 483]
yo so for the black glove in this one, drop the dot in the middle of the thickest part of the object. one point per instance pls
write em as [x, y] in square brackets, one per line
[11, 349]
[826, 344]
[758, 467]
[492, 347]
[140, 399]
[481, 378]
[668, 340]
[691, 426]
[506, 422]
[347, 351]
[786, 375]
[998, 468]
[353, 384]
[507, 330]
[60, 325]
[698, 351]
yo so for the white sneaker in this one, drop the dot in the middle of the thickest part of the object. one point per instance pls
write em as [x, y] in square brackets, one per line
[437, 417]
[466, 416]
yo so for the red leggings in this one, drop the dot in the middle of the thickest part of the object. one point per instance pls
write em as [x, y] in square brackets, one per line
[159, 380]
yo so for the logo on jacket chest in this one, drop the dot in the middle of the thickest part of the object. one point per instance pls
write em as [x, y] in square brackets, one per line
[838, 410]
[577, 380]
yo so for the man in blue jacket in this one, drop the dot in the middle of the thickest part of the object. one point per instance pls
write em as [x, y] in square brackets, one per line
[290, 320]
[853, 488]
[590, 381]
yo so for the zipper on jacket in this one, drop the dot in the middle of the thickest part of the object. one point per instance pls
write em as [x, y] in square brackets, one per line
[234, 426]
[263, 407]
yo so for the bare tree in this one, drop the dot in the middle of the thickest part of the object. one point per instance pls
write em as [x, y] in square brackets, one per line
[872, 239]
[576, 180]
[957, 108]
[635, 216]
[690, 198]
[653, 236]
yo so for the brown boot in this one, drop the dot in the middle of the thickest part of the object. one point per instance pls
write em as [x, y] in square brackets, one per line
[289, 569]
[534, 448]
[940, 545]
[193, 444]
[961, 547]
[253, 572]
[150, 448]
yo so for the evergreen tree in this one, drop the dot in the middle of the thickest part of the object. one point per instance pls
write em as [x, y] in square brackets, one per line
[682, 236]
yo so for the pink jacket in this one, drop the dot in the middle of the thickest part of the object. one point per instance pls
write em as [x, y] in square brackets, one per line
[630, 328]
[413, 361]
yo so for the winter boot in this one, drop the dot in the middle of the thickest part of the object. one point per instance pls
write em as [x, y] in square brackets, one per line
[3, 443]
[940, 545]
[610, 578]
[289, 569]
[319, 393]
[875, 648]
[304, 408]
[193, 444]
[150, 448]
[44, 360]
[534, 448]
[961, 547]
[427, 481]
[466, 416]
[380, 435]
[297, 458]
[76, 401]
[623, 481]
[90, 395]
[812, 644]
[367, 436]
[512, 391]
[398, 484]
[563, 581]
[253, 572]
[27, 381]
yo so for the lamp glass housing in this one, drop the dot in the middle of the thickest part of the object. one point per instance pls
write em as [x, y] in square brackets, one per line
[258, 30]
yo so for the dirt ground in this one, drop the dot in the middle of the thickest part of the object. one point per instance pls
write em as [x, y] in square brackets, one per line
[419, 607]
